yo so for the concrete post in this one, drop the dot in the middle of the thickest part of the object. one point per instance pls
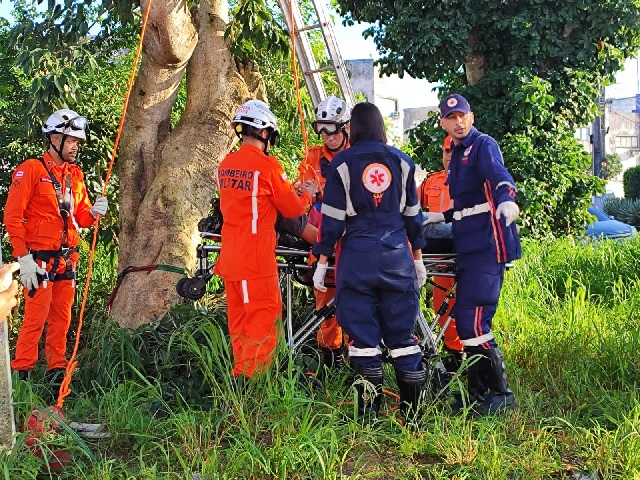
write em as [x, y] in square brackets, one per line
[7, 420]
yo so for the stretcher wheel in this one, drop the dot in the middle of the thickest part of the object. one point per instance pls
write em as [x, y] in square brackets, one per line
[191, 288]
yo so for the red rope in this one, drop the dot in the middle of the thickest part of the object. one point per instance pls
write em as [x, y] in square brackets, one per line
[65, 390]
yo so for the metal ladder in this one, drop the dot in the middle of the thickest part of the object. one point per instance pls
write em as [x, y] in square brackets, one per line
[307, 60]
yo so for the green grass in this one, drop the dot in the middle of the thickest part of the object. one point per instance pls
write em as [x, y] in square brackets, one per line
[568, 324]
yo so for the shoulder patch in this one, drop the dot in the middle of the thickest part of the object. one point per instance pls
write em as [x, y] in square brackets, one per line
[284, 176]
[19, 174]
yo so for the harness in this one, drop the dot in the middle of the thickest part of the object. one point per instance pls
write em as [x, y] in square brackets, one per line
[64, 204]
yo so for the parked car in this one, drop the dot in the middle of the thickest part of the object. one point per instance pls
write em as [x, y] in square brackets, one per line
[606, 226]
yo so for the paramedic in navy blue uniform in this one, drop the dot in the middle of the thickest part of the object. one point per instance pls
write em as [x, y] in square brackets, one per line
[371, 210]
[483, 214]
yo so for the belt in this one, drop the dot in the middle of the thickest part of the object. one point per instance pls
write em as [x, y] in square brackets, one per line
[476, 209]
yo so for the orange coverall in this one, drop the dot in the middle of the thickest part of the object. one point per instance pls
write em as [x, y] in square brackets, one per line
[330, 333]
[253, 188]
[434, 195]
[32, 219]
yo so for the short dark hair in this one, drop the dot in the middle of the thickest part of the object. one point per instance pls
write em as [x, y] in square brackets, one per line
[367, 124]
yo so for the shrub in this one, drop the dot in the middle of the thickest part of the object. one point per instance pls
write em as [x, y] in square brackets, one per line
[631, 182]
[626, 210]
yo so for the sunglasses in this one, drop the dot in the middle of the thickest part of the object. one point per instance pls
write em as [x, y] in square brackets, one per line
[327, 128]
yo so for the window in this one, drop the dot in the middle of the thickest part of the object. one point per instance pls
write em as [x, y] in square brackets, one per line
[583, 133]
[626, 141]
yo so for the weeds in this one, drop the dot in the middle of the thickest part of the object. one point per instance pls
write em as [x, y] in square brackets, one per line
[568, 324]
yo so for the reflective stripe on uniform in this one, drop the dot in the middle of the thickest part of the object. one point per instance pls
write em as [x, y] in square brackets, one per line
[412, 211]
[404, 166]
[245, 292]
[364, 352]
[509, 184]
[476, 209]
[476, 342]
[333, 212]
[343, 171]
[404, 351]
[254, 203]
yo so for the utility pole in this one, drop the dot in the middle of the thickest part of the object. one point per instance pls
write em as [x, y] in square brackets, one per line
[598, 136]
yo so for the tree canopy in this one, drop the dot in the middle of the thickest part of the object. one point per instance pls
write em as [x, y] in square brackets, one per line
[531, 70]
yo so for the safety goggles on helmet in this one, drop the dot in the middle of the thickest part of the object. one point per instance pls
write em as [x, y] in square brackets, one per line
[327, 128]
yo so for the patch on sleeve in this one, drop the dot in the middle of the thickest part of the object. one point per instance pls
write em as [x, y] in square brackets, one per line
[19, 174]
[284, 175]
[15, 184]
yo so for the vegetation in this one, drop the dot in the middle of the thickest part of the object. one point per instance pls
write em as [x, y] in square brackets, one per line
[612, 166]
[626, 210]
[531, 71]
[570, 335]
[631, 182]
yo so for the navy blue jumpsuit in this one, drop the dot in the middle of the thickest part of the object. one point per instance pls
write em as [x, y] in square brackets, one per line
[478, 182]
[371, 209]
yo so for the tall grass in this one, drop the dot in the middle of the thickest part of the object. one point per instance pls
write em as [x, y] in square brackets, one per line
[567, 322]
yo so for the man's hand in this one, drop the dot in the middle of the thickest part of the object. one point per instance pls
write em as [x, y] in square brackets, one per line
[431, 217]
[508, 210]
[8, 289]
[309, 187]
[29, 271]
[100, 207]
[421, 272]
[318, 276]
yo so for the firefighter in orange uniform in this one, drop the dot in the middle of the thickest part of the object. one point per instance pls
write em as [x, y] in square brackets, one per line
[253, 189]
[434, 195]
[332, 125]
[46, 205]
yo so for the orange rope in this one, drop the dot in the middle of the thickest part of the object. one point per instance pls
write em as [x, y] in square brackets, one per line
[294, 68]
[73, 363]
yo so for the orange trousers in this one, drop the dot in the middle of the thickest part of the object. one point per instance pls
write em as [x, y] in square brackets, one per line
[50, 305]
[254, 311]
[451, 339]
[330, 333]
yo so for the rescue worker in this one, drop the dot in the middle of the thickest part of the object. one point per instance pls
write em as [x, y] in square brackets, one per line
[253, 189]
[46, 206]
[371, 207]
[434, 195]
[486, 238]
[8, 289]
[331, 123]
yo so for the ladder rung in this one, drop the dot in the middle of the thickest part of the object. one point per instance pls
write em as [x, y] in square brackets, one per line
[322, 69]
[308, 27]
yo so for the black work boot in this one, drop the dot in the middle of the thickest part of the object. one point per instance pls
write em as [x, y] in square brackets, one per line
[453, 359]
[333, 358]
[23, 375]
[500, 397]
[478, 364]
[368, 385]
[412, 386]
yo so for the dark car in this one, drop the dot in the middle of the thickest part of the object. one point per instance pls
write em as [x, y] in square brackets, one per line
[606, 226]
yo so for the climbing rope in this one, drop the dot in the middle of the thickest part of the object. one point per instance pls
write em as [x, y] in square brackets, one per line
[73, 363]
[294, 69]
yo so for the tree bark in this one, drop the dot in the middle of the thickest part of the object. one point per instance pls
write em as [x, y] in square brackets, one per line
[167, 176]
[474, 62]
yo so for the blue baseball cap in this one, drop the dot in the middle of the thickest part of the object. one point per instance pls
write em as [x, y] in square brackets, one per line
[453, 103]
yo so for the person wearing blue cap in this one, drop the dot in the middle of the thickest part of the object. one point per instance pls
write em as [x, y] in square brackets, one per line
[486, 238]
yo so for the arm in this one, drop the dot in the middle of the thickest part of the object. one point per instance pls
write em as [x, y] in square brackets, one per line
[334, 214]
[82, 207]
[412, 214]
[491, 166]
[285, 198]
[20, 193]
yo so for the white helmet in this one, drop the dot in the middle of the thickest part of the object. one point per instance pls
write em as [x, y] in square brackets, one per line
[66, 122]
[255, 114]
[333, 110]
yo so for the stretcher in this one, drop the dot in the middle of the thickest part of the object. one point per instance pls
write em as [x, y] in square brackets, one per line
[293, 267]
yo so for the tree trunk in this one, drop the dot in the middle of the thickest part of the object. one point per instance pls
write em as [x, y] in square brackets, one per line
[167, 176]
[474, 62]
